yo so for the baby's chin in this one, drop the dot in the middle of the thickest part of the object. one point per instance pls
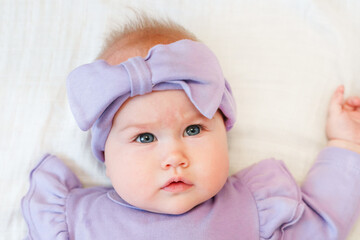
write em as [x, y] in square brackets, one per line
[177, 207]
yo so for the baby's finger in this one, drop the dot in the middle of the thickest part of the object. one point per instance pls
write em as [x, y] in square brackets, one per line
[348, 107]
[337, 100]
[353, 101]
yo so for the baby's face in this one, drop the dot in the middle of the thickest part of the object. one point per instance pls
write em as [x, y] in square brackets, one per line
[163, 156]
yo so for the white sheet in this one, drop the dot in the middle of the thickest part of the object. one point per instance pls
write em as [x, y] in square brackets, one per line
[283, 59]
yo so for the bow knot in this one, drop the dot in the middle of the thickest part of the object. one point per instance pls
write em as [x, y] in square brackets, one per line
[139, 76]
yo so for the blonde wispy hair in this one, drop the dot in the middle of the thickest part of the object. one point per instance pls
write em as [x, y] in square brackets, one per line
[147, 27]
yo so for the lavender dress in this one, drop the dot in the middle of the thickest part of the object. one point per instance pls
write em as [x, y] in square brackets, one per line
[260, 202]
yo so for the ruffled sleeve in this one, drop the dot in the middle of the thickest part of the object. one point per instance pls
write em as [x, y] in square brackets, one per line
[277, 197]
[44, 206]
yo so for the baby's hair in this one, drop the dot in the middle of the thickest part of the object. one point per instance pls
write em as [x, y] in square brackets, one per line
[148, 29]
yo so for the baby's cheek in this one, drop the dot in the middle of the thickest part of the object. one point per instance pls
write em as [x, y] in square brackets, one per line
[217, 174]
[137, 191]
[134, 181]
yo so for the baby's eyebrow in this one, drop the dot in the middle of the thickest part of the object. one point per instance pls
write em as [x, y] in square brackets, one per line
[146, 125]
[138, 126]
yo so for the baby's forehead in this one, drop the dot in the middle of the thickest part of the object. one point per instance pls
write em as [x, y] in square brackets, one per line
[159, 106]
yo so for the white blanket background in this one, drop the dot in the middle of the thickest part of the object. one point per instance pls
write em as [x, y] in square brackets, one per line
[283, 58]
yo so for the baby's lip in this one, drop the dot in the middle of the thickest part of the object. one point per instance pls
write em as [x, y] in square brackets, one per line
[180, 182]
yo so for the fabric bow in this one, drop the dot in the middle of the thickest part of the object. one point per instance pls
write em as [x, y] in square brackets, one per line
[97, 90]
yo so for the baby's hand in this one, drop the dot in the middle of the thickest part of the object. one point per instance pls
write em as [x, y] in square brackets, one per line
[343, 123]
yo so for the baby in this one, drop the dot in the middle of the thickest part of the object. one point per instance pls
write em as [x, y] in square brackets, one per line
[159, 108]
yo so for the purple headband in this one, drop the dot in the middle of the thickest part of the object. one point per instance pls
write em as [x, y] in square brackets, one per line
[97, 90]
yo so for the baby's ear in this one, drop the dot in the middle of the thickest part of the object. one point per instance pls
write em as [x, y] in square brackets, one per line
[106, 170]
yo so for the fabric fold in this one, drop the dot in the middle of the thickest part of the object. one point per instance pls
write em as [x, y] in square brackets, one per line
[44, 206]
[277, 196]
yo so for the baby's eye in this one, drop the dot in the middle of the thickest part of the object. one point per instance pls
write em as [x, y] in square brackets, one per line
[192, 130]
[145, 138]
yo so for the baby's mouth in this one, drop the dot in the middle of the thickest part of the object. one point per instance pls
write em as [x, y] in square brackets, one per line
[177, 185]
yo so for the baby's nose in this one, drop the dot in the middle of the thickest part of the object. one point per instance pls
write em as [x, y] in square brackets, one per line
[174, 159]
